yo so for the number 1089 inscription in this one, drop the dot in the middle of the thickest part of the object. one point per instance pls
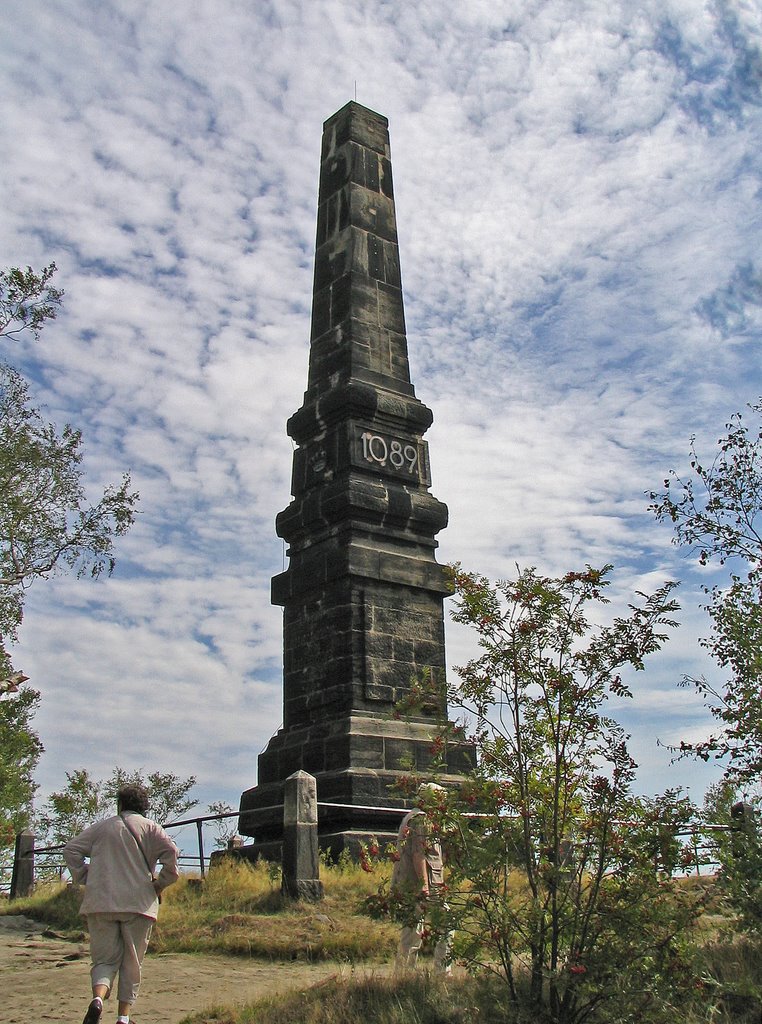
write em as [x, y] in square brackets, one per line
[387, 452]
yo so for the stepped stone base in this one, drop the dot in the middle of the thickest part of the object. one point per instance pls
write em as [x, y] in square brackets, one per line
[382, 752]
[332, 843]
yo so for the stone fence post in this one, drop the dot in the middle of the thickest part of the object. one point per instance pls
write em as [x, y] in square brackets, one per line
[22, 879]
[300, 865]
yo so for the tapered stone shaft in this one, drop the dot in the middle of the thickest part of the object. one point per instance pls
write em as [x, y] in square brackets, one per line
[363, 593]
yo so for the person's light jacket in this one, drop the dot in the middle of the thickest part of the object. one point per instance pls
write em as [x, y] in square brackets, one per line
[420, 855]
[117, 879]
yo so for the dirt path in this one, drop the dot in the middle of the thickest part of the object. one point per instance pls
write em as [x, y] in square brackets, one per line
[45, 978]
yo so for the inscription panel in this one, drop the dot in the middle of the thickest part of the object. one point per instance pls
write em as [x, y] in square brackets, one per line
[390, 454]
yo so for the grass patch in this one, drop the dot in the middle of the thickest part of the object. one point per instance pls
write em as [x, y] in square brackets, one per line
[415, 998]
[732, 977]
[422, 998]
[55, 904]
[238, 910]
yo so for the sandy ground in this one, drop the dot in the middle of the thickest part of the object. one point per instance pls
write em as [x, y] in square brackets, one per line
[46, 978]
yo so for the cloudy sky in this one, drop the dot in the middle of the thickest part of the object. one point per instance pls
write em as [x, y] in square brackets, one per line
[577, 186]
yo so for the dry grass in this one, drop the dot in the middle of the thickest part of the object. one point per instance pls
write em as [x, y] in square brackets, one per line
[55, 904]
[416, 998]
[732, 972]
[239, 911]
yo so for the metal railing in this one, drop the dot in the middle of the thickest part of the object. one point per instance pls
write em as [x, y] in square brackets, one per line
[26, 852]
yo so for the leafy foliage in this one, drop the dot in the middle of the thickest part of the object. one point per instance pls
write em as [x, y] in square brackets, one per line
[559, 877]
[717, 513]
[46, 522]
[27, 300]
[46, 525]
[737, 846]
[225, 828]
[20, 750]
[78, 805]
[85, 800]
[168, 795]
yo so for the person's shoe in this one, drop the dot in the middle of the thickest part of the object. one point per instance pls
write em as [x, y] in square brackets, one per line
[94, 1011]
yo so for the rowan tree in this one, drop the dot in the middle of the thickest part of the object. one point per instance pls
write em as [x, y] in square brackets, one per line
[716, 512]
[559, 877]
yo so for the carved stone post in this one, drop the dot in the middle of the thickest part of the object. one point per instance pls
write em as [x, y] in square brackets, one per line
[22, 880]
[301, 865]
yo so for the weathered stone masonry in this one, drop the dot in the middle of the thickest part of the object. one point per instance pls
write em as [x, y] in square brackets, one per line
[363, 593]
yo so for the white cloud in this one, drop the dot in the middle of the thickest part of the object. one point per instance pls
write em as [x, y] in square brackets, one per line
[573, 180]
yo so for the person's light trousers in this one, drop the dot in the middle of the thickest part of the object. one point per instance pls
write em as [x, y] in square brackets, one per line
[411, 940]
[118, 943]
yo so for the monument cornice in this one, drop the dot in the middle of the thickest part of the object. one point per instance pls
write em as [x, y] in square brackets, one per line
[358, 399]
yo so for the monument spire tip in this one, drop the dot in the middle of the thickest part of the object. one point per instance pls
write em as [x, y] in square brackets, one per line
[353, 107]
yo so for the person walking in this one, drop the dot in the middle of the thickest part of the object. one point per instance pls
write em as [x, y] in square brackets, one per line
[115, 859]
[418, 878]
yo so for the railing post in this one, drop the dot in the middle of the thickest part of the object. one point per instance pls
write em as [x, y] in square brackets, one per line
[199, 829]
[22, 879]
[300, 864]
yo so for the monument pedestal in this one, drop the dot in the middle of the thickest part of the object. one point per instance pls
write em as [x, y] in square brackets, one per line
[358, 762]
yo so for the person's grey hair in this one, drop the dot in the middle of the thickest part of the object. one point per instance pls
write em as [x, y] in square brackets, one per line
[430, 789]
[132, 798]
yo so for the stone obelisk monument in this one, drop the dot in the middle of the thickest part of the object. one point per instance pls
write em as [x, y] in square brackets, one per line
[362, 596]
